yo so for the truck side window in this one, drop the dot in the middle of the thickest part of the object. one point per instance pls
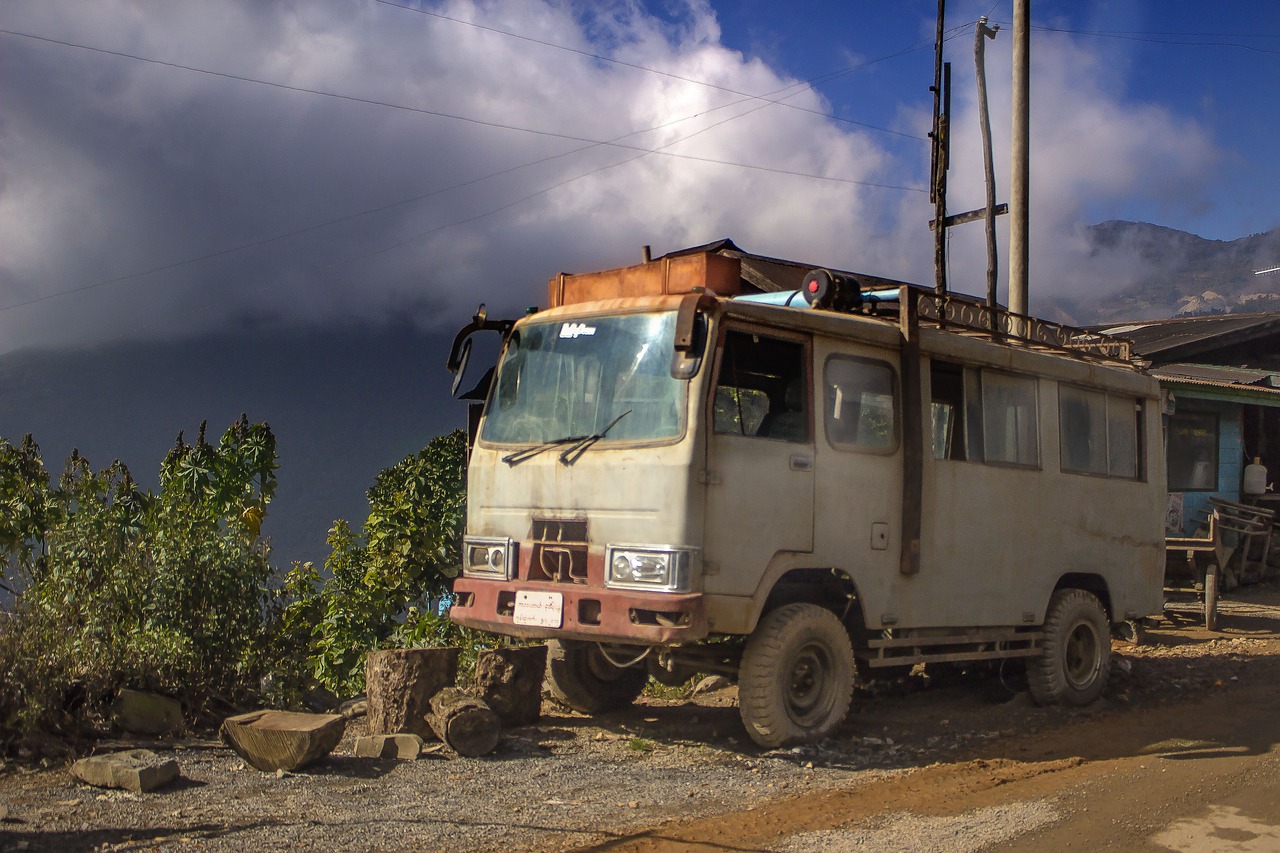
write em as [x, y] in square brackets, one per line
[761, 388]
[860, 409]
[947, 410]
[1099, 432]
[1009, 419]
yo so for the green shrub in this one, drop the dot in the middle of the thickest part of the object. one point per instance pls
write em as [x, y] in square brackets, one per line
[383, 588]
[117, 587]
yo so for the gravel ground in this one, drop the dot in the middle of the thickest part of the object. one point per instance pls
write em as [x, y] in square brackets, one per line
[577, 783]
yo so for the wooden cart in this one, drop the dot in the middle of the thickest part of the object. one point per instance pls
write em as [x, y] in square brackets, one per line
[1231, 547]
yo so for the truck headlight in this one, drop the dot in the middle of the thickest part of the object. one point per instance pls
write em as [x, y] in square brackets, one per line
[488, 557]
[647, 567]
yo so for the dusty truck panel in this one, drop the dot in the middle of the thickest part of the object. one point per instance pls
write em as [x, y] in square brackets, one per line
[673, 475]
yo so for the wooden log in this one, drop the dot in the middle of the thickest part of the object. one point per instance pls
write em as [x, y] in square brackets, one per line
[509, 680]
[400, 684]
[282, 740]
[466, 724]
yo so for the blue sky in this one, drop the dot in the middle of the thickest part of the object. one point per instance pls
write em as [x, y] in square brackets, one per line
[171, 168]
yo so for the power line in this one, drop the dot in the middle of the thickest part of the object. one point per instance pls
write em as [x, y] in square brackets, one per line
[650, 70]
[392, 105]
[589, 143]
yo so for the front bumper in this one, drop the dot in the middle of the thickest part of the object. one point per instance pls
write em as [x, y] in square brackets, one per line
[589, 612]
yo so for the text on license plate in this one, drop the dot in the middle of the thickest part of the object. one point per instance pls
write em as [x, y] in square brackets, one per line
[544, 609]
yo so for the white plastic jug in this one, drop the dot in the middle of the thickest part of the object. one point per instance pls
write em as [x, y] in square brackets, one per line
[1255, 478]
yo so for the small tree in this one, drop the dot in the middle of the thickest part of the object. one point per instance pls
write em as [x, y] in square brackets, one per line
[383, 584]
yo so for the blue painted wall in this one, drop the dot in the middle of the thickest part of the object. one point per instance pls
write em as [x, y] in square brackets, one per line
[1230, 457]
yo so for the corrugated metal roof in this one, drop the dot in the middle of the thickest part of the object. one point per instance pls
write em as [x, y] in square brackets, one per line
[1257, 387]
[1182, 337]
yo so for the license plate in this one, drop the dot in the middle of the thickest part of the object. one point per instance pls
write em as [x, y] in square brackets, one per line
[544, 609]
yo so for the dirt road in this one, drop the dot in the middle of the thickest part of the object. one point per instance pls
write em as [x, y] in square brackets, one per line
[1180, 755]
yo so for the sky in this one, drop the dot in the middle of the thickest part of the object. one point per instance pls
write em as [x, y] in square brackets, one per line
[170, 168]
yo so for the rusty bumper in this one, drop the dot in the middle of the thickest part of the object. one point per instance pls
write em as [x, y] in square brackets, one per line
[587, 613]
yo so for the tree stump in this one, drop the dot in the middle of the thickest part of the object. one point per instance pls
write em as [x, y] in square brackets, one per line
[282, 740]
[466, 724]
[510, 682]
[400, 684]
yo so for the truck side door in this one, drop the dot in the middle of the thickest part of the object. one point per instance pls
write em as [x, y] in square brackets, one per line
[760, 456]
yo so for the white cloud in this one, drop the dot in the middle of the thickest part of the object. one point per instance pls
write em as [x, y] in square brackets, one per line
[114, 166]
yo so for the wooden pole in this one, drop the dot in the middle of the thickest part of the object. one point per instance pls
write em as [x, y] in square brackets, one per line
[989, 169]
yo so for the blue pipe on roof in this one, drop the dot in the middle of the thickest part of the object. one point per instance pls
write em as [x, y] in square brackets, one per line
[795, 298]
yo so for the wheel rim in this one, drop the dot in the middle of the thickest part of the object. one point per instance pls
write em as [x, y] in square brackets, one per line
[807, 683]
[1081, 658]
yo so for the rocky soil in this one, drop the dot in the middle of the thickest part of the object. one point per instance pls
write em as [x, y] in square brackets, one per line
[678, 772]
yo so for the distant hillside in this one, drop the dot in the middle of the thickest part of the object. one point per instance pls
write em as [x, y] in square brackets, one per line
[343, 405]
[1178, 273]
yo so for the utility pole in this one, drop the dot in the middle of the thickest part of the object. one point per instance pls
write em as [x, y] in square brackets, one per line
[989, 169]
[1020, 156]
[940, 136]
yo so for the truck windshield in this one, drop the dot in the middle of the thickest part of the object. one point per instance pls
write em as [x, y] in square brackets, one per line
[573, 378]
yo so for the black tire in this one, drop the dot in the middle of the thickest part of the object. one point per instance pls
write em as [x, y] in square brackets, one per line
[1211, 599]
[1073, 664]
[795, 682]
[581, 677]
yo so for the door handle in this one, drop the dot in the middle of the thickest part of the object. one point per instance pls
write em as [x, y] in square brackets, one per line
[800, 462]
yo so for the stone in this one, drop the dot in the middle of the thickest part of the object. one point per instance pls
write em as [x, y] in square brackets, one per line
[353, 708]
[142, 713]
[405, 746]
[282, 740]
[136, 770]
[711, 684]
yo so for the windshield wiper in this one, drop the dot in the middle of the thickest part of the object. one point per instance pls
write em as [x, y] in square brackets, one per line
[521, 455]
[572, 455]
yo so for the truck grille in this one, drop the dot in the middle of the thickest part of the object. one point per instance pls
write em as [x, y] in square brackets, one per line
[559, 550]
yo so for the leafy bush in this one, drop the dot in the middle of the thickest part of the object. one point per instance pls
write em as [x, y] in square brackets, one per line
[384, 589]
[116, 587]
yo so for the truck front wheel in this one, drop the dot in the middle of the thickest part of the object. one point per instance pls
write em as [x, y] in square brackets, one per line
[584, 679]
[1073, 665]
[795, 682]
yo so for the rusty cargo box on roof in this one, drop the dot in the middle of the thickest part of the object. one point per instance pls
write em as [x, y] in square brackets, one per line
[670, 275]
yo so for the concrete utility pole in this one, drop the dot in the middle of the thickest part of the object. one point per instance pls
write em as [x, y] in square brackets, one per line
[1020, 156]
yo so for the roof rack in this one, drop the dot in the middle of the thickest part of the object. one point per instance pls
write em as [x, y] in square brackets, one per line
[968, 315]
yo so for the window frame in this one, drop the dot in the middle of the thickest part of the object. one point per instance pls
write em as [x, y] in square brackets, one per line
[986, 435]
[894, 392]
[1216, 469]
[806, 376]
[1136, 411]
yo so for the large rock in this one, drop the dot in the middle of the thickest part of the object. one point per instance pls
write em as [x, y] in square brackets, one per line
[144, 713]
[137, 770]
[403, 746]
[509, 680]
[400, 684]
[282, 740]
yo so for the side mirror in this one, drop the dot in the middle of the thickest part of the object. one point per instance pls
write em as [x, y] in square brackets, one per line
[463, 358]
[460, 352]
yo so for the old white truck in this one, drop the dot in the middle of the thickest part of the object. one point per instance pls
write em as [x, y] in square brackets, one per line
[719, 462]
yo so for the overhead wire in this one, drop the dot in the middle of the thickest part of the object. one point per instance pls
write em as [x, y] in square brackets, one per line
[767, 100]
[648, 69]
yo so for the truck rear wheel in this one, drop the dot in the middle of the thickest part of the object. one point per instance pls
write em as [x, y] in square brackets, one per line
[795, 682]
[584, 679]
[1073, 665]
